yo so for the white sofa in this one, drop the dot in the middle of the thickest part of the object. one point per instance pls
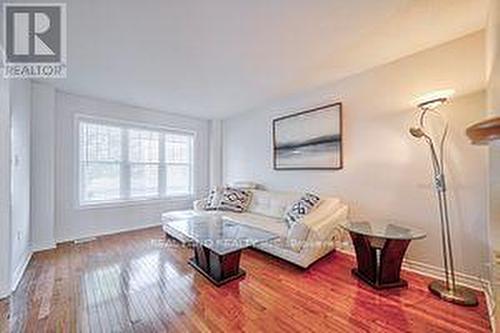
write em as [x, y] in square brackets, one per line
[301, 245]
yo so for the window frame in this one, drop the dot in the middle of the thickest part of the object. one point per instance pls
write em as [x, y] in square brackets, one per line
[124, 126]
[130, 164]
[167, 163]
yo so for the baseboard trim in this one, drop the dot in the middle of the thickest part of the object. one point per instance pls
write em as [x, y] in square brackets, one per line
[4, 292]
[43, 246]
[438, 273]
[108, 233]
[20, 269]
[491, 304]
[467, 280]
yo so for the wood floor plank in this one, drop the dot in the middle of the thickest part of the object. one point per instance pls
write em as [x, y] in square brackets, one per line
[140, 282]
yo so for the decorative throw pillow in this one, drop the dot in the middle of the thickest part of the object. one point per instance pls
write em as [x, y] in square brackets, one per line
[212, 201]
[300, 208]
[235, 200]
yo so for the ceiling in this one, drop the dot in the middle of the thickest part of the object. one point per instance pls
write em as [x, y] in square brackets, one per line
[213, 59]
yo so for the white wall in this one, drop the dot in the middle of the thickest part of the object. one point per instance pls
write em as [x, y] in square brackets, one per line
[386, 172]
[15, 114]
[73, 222]
[493, 77]
[43, 140]
[20, 102]
[493, 72]
[215, 153]
[5, 233]
[493, 57]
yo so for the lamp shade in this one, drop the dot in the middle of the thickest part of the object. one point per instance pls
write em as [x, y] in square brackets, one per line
[434, 99]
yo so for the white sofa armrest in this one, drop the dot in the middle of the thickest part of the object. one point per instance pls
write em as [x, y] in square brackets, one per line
[322, 233]
[198, 205]
[319, 221]
[327, 227]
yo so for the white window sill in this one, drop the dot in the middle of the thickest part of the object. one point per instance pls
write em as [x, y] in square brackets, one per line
[135, 202]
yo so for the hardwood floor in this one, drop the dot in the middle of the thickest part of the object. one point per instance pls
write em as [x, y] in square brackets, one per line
[138, 282]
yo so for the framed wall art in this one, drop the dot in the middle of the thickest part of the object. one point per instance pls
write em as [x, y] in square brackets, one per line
[309, 140]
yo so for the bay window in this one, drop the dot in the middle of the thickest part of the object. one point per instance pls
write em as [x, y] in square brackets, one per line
[144, 162]
[178, 162]
[122, 162]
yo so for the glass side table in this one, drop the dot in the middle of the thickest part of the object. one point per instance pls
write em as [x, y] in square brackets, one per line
[380, 248]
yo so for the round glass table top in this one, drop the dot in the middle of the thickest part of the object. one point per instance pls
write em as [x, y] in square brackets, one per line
[384, 229]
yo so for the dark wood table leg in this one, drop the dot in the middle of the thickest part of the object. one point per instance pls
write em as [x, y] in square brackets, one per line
[379, 267]
[219, 269]
[391, 259]
[366, 257]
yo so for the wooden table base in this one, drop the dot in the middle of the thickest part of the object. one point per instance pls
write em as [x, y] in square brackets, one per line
[219, 269]
[398, 284]
[379, 267]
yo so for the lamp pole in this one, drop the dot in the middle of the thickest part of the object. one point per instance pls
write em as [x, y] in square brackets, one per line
[449, 290]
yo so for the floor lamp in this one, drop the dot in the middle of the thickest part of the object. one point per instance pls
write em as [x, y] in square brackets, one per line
[448, 289]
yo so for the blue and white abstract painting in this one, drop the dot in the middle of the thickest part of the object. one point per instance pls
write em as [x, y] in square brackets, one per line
[309, 140]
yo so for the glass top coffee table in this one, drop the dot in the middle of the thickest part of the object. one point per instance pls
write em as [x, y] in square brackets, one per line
[380, 248]
[217, 243]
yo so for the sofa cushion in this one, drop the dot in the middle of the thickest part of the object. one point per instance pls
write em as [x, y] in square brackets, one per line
[199, 205]
[274, 225]
[272, 204]
[245, 185]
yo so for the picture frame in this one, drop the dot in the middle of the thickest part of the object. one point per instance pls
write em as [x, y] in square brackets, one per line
[309, 140]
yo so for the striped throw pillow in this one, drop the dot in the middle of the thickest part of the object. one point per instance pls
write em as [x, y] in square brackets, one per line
[235, 200]
[301, 208]
[212, 201]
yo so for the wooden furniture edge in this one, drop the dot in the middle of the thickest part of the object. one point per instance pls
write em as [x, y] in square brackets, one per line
[484, 131]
